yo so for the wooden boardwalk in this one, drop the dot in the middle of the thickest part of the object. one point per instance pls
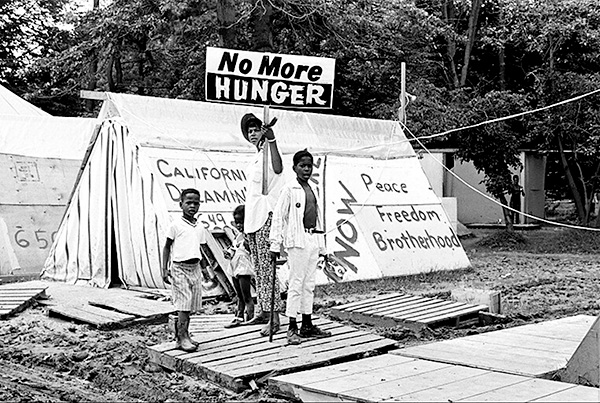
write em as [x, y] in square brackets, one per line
[391, 377]
[234, 357]
[537, 350]
[206, 323]
[108, 310]
[409, 311]
[16, 298]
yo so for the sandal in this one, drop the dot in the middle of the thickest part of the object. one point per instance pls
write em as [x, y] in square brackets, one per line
[234, 323]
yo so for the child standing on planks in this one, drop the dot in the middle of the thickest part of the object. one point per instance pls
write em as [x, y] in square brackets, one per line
[297, 225]
[184, 242]
[242, 270]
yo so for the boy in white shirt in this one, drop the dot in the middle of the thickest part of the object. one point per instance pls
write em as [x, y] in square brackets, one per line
[184, 241]
[297, 225]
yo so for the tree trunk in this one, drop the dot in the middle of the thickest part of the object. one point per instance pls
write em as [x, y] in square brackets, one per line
[572, 184]
[92, 70]
[472, 32]
[92, 81]
[226, 16]
[502, 68]
[109, 70]
[262, 36]
[141, 46]
[507, 214]
[449, 15]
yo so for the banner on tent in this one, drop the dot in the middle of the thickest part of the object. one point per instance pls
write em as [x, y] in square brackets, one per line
[383, 219]
[219, 177]
[289, 81]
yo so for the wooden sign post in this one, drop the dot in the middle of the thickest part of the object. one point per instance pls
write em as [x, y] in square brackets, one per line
[265, 181]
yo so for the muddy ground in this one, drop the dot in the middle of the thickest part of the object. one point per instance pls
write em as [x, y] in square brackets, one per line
[543, 274]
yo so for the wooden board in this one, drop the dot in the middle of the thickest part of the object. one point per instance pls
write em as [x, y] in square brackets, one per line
[92, 315]
[234, 357]
[200, 323]
[584, 365]
[536, 350]
[209, 323]
[385, 378]
[409, 311]
[134, 305]
[14, 299]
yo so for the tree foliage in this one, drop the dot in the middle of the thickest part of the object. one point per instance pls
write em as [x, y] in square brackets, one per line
[468, 61]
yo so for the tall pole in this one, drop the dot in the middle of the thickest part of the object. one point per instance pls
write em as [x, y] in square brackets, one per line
[265, 182]
[402, 113]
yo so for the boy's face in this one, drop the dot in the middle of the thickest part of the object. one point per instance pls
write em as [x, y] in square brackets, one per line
[254, 134]
[189, 204]
[304, 168]
[238, 220]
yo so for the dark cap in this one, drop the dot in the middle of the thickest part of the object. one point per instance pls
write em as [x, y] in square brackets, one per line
[249, 120]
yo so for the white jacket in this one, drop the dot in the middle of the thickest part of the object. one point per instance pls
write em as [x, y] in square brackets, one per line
[287, 225]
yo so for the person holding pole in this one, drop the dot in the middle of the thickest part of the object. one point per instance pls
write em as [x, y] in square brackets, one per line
[297, 225]
[265, 179]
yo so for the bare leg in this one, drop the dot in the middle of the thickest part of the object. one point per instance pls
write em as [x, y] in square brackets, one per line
[246, 295]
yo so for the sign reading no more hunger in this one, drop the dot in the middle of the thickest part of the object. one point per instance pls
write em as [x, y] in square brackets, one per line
[290, 81]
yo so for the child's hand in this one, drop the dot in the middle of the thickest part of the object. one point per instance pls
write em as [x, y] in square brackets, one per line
[166, 276]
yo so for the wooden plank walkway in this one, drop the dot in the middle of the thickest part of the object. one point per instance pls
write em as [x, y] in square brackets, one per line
[103, 319]
[134, 305]
[112, 311]
[409, 311]
[234, 357]
[15, 298]
[390, 377]
[536, 350]
[201, 323]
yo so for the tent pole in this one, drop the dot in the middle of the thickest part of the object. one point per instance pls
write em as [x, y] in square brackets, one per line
[86, 157]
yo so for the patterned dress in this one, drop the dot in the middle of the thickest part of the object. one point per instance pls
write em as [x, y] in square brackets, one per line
[259, 249]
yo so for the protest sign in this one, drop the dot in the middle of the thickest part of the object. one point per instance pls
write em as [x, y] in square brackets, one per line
[289, 81]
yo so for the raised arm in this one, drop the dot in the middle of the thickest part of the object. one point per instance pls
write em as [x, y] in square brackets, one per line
[274, 151]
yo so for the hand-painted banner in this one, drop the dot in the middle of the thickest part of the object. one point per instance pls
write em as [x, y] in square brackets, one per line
[383, 219]
[255, 78]
[219, 177]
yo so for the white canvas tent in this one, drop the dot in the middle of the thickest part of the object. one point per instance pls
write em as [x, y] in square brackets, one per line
[381, 216]
[40, 157]
[11, 104]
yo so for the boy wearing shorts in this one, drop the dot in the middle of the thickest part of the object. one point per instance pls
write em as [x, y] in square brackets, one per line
[184, 240]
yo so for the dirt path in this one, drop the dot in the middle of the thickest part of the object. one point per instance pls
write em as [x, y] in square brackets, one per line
[46, 359]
